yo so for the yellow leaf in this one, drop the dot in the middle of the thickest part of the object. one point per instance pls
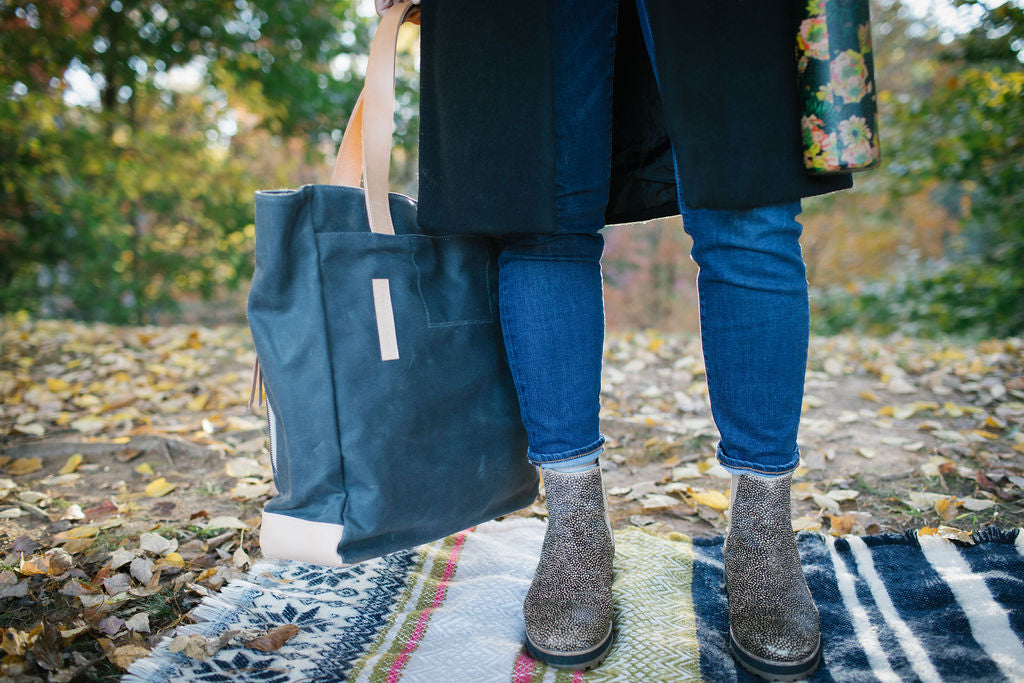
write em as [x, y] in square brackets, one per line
[199, 402]
[76, 532]
[946, 508]
[17, 642]
[994, 422]
[34, 565]
[868, 396]
[144, 468]
[952, 409]
[175, 559]
[72, 464]
[984, 434]
[159, 487]
[928, 531]
[56, 385]
[77, 545]
[24, 466]
[712, 499]
[886, 411]
[655, 344]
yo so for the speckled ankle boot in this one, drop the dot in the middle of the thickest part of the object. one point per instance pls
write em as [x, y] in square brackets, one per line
[774, 630]
[568, 609]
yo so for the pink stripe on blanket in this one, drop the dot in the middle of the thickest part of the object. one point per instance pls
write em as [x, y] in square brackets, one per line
[439, 595]
[523, 671]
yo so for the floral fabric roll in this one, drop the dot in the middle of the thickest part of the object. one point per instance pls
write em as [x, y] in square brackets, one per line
[836, 75]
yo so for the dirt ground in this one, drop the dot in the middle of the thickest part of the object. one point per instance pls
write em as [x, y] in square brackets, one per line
[132, 473]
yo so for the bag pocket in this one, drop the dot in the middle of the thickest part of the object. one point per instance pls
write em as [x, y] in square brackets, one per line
[458, 286]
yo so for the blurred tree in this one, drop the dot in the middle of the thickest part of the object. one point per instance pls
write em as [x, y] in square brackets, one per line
[954, 134]
[133, 133]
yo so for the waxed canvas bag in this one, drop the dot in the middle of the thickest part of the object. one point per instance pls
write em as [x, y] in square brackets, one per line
[393, 417]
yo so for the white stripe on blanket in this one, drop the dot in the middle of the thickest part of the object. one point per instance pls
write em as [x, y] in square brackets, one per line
[912, 647]
[989, 623]
[866, 636]
[483, 610]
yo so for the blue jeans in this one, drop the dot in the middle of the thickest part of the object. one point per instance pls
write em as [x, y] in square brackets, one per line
[752, 284]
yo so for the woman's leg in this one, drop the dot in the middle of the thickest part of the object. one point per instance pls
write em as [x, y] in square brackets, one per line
[552, 315]
[754, 317]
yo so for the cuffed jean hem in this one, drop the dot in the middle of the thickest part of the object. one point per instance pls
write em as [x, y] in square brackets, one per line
[756, 468]
[541, 458]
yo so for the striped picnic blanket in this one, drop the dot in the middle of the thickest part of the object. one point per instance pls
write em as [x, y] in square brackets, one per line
[892, 608]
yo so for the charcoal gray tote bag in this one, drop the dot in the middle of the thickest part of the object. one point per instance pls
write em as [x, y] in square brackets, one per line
[393, 417]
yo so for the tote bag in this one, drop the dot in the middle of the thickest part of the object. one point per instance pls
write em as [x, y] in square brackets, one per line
[393, 416]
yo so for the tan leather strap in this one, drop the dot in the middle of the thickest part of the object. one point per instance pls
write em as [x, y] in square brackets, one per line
[348, 167]
[372, 120]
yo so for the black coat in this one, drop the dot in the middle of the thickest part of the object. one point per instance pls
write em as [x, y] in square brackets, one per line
[729, 105]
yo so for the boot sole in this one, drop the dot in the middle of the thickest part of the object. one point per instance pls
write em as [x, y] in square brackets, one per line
[579, 660]
[775, 670]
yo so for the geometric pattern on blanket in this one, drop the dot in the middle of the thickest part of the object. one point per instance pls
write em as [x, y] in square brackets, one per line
[893, 608]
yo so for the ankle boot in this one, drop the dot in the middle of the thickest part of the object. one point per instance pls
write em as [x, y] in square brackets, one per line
[774, 630]
[568, 609]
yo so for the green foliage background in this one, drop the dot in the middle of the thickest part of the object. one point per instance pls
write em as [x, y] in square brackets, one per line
[952, 135]
[127, 206]
[131, 205]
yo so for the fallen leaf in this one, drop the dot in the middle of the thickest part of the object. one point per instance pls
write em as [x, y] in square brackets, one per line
[688, 471]
[144, 468]
[75, 532]
[159, 487]
[71, 464]
[138, 623]
[923, 500]
[274, 638]
[946, 508]
[840, 525]
[230, 522]
[241, 559]
[16, 642]
[141, 568]
[104, 509]
[20, 466]
[653, 501]
[866, 452]
[123, 656]
[33, 429]
[156, 544]
[110, 625]
[806, 523]
[87, 425]
[247, 489]
[842, 494]
[715, 500]
[242, 467]
[827, 503]
[954, 534]
[976, 504]
[117, 584]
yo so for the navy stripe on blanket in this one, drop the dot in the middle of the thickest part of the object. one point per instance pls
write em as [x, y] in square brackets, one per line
[927, 605]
